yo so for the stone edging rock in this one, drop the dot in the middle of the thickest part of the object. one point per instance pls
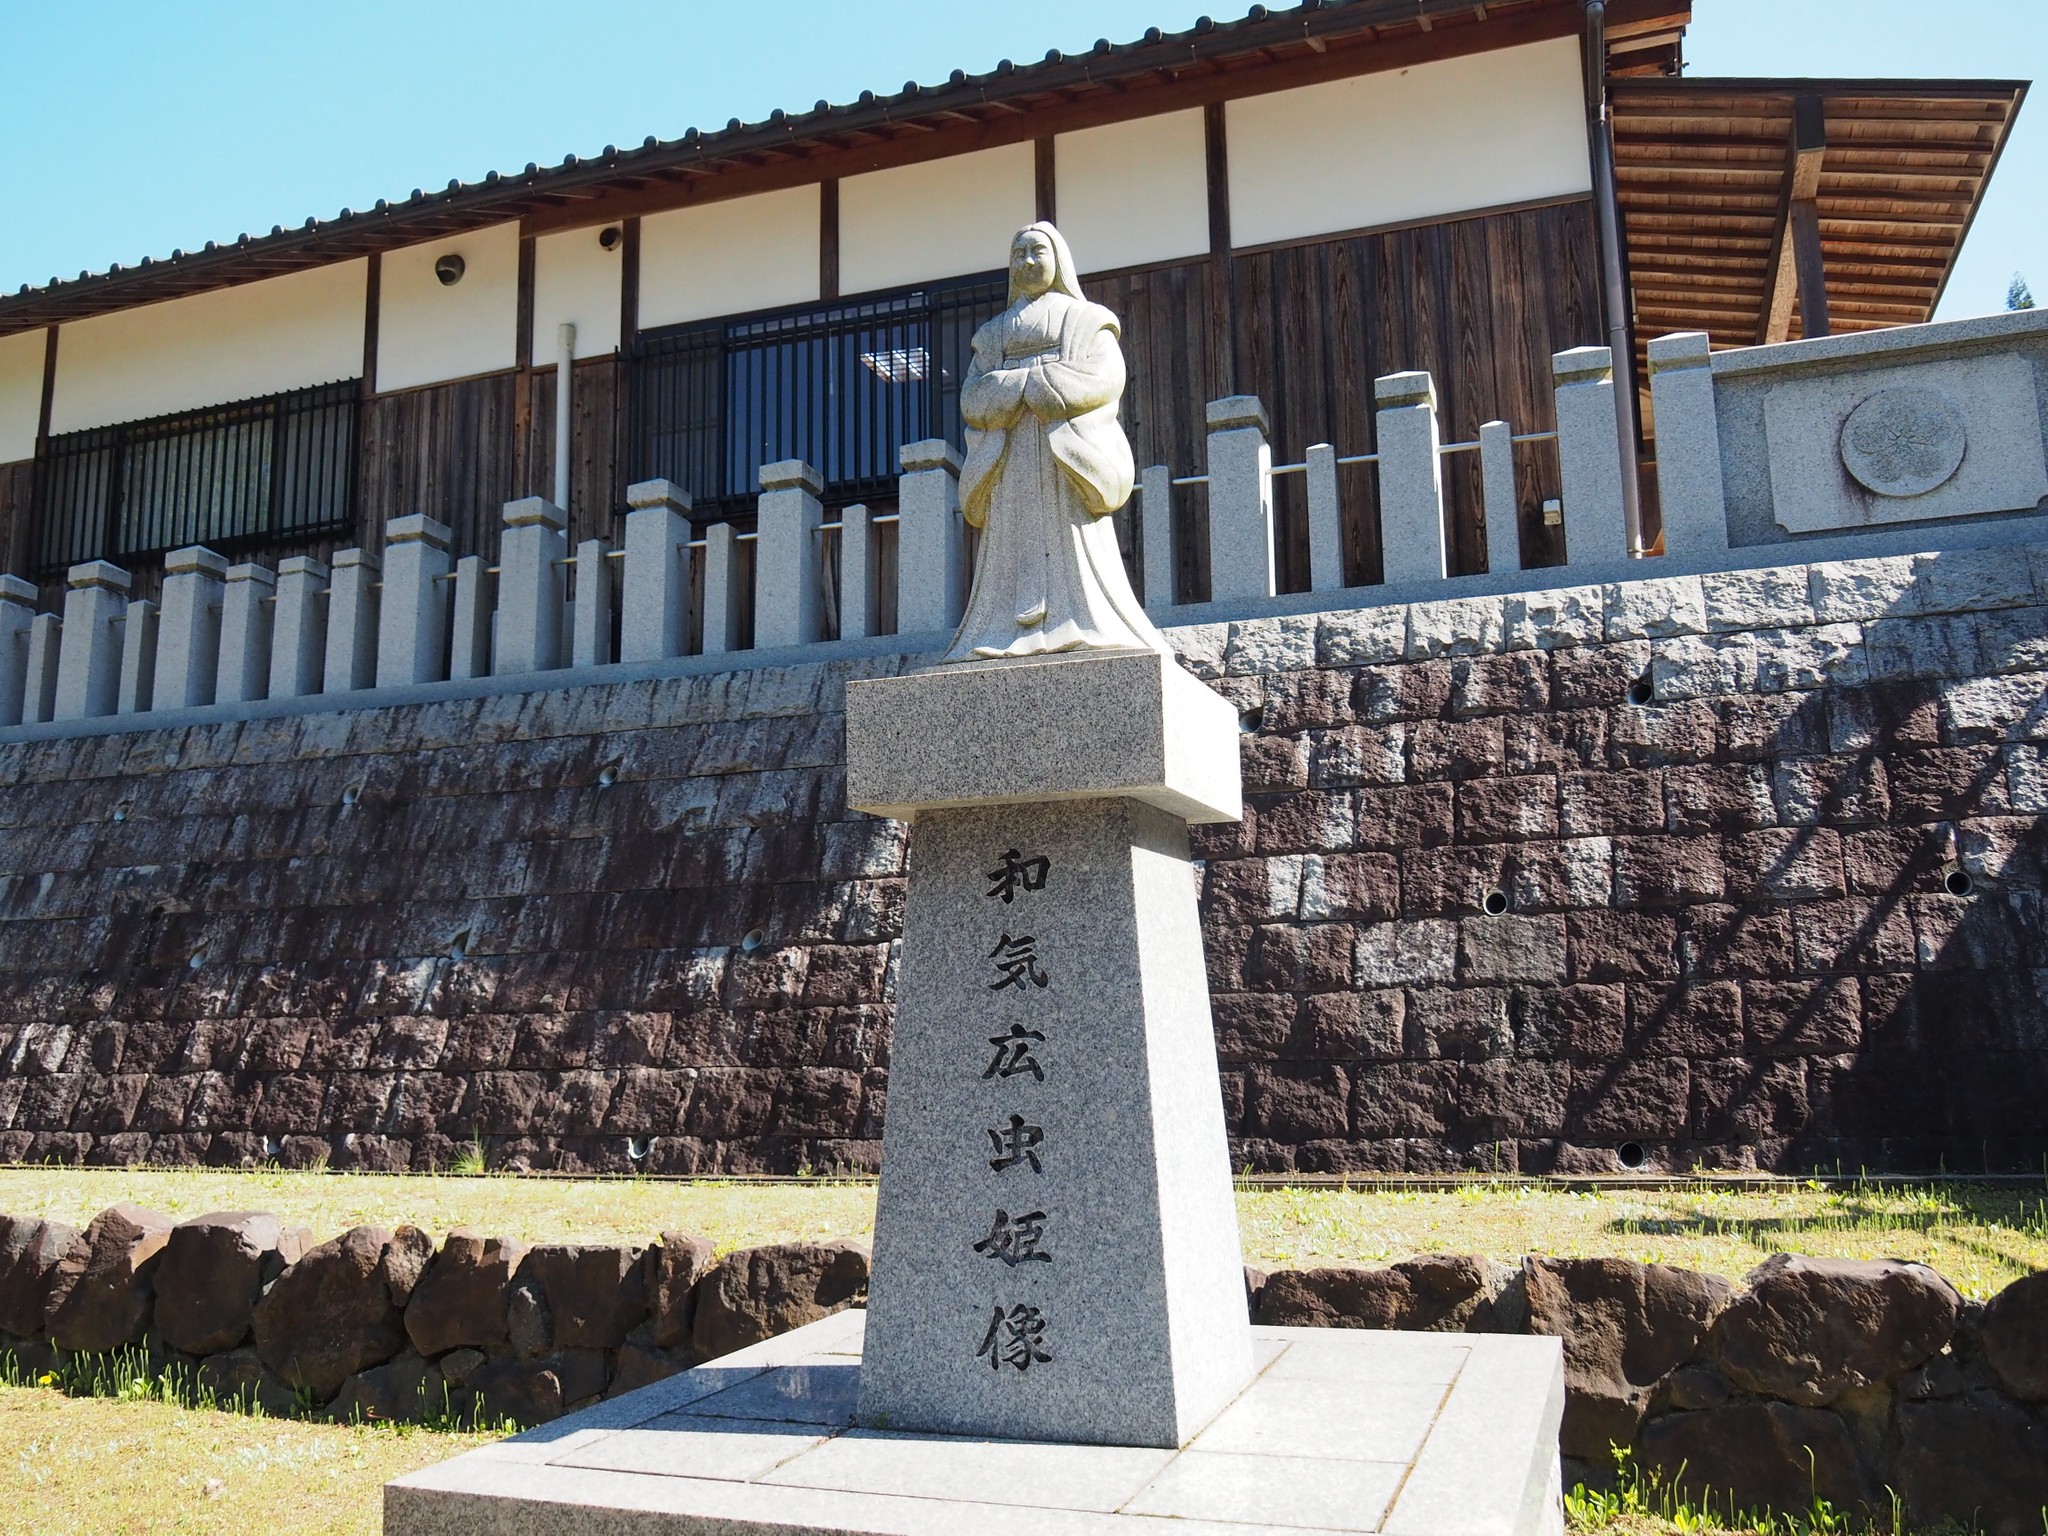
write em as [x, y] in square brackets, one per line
[1839, 1378]
[378, 1324]
[1833, 1377]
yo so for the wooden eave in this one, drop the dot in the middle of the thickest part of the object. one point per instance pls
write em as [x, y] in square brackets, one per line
[1703, 178]
[1267, 51]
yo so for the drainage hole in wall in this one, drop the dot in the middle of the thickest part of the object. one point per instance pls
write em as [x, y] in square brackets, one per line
[270, 1146]
[608, 775]
[1249, 720]
[1496, 902]
[1957, 882]
[753, 941]
[121, 810]
[195, 960]
[351, 793]
[1640, 692]
[349, 1141]
[636, 1148]
[1632, 1155]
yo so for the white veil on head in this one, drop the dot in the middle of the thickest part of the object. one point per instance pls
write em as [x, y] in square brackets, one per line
[1065, 279]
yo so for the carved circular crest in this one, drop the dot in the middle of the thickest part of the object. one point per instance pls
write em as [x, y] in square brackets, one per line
[1904, 442]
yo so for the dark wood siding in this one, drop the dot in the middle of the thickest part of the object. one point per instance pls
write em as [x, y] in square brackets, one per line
[17, 490]
[1480, 303]
[445, 450]
[597, 495]
[1173, 375]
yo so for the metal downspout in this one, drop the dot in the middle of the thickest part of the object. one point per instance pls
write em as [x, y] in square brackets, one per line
[1613, 284]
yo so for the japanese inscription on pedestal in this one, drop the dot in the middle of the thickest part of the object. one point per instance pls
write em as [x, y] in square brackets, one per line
[1016, 1334]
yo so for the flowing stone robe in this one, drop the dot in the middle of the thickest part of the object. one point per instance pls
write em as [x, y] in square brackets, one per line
[1047, 463]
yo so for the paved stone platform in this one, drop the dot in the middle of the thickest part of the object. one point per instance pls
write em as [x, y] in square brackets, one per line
[1408, 1434]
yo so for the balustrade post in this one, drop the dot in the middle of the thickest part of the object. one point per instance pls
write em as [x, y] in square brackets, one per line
[531, 588]
[721, 589]
[1497, 490]
[17, 615]
[298, 633]
[246, 632]
[469, 646]
[1240, 500]
[138, 659]
[352, 602]
[654, 605]
[412, 620]
[1690, 490]
[590, 639]
[1325, 520]
[1590, 457]
[45, 641]
[1411, 477]
[89, 669]
[931, 539]
[856, 573]
[788, 556]
[1155, 537]
[188, 632]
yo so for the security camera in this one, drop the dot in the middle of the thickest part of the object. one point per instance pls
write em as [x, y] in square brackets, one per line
[610, 236]
[449, 269]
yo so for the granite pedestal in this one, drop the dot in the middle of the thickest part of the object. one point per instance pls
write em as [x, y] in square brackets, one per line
[1056, 1250]
[1410, 1434]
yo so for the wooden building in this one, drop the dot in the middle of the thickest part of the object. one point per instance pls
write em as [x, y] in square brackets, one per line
[1288, 205]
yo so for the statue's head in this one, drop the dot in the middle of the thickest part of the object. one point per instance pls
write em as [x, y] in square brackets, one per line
[1040, 262]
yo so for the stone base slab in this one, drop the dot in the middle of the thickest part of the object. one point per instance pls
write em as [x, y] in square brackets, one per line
[1409, 1434]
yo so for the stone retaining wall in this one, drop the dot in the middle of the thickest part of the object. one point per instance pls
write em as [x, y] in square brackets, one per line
[1829, 1377]
[1739, 870]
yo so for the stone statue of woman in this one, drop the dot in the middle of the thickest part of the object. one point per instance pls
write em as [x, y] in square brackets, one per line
[1047, 463]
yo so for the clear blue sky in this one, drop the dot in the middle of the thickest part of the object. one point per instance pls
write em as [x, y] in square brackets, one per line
[134, 127]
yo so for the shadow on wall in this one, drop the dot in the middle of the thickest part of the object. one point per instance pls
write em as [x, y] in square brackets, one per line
[1896, 1014]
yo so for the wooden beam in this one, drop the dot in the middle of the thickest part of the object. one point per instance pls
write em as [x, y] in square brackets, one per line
[623, 418]
[1042, 174]
[1222, 311]
[373, 310]
[1809, 147]
[522, 378]
[49, 389]
[366, 392]
[828, 239]
[1804, 151]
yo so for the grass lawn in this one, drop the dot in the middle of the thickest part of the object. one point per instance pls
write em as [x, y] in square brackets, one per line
[1981, 1236]
[105, 1466]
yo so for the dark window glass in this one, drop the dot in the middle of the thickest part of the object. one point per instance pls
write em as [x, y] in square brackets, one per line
[841, 386]
[233, 477]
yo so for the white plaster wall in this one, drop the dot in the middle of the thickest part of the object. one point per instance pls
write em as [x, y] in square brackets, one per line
[427, 333]
[211, 348]
[729, 258]
[21, 393]
[1476, 132]
[1133, 192]
[939, 218]
[577, 280]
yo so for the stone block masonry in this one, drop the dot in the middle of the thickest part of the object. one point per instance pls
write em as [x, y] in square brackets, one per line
[1737, 870]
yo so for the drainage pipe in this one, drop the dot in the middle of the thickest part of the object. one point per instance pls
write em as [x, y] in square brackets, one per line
[1613, 281]
[565, 364]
